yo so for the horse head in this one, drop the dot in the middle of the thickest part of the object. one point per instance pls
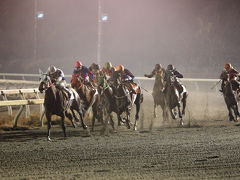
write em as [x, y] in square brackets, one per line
[45, 82]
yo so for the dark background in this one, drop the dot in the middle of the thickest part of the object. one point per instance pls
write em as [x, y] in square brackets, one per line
[197, 36]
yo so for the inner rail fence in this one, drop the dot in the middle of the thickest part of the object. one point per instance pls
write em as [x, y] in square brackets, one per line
[24, 102]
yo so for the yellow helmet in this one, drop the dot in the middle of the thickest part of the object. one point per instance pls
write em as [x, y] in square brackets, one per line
[108, 65]
[228, 66]
[120, 68]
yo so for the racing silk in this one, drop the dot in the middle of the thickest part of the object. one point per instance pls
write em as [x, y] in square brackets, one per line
[170, 73]
[127, 75]
[232, 73]
[84, 73]
[57, 76]
[108, 73]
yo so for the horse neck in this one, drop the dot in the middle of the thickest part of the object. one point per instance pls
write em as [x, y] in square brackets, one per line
[159, 81]
[51, 93]
[228, 88]
[173, 90]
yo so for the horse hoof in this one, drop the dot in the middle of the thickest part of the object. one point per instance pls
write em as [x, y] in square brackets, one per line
[85, 127]
[49, 139]
[181, 122]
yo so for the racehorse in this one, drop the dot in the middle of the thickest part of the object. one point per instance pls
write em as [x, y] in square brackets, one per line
[159, 96]
[230, 100]
[91, 99]
[108, 105]
[176, 94]
[57, 102]
[125, 98]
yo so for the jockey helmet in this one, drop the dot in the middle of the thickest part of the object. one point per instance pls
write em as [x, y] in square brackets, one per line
[228, 66]
[108, 65]
[77, 64]
[170, 67]
[120, 68]
[51, 69]
[158, 66]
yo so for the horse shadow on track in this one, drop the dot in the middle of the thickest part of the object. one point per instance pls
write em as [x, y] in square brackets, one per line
[25, 134]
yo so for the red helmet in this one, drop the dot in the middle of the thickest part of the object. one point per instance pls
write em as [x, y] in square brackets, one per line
[77, 64]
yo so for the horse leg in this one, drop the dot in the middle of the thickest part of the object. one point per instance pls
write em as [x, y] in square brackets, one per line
[74, 114]
[111, 121]
[172, 114]
[69, 116]
[128, 119]
[180, 114]
[230, 113]
[179, 110]
[137, 102]
[63, 125]
[48, 116]
[119, 120]
[154, 110]
[93, 121]
[236, 112]
[184, 101]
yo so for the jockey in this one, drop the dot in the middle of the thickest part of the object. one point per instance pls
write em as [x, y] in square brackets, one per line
[231, 74]
[108, 70]
[95, 70]
[157, 70]
[57, 76]
[83, 72]
[171, 72]
[126, 75]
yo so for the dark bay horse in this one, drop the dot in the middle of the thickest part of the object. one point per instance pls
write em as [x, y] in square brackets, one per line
[57, 103]
[175, 96]
[230, 100]
[125, 98]
[91, 99]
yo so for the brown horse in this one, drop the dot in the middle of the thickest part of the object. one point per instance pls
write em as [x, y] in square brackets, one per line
[230, 100]
[175, 95]
[56, 102]
[126, 93]
[91, 98]
[158, 95]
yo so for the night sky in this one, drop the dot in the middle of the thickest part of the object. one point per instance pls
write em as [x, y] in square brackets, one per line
[197, 36]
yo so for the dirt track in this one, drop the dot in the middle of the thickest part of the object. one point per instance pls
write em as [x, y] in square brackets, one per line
[203, 148]
[197, 152]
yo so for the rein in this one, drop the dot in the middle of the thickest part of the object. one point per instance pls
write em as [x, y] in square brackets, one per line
[51, 85]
